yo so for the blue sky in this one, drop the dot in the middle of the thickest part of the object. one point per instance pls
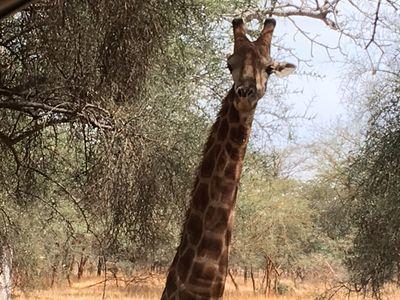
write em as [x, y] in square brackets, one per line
[324, 95]
[330, 93]
[324, 90]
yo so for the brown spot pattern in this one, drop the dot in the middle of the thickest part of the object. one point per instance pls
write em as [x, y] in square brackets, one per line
[227, 192]
[221, 162]
[184, 261]
[209, 143]
[198, 276]
[232, 151]
[228, 235]
[224, 108]
[210, 247]
[238, 135]
[223, 129]
[194, 229]
[206, 272]
[218, 288]
[224, 258]
[186, 295]
[200, 197]
[171, 286]
[207, 166]
[234, 115]
[216, 219]
[184, 244]
[231, 171]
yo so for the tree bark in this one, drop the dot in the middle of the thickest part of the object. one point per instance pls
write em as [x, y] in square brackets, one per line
[6, 256]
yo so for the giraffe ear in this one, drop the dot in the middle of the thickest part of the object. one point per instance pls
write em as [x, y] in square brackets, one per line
[281, 69]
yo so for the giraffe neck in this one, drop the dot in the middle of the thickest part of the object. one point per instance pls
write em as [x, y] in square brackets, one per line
[200, 265]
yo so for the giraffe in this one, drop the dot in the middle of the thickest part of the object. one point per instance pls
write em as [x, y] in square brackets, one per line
[199, 268]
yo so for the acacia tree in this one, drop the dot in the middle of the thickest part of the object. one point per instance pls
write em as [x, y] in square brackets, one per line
[274, 227]
[374, 259]
[96, 137]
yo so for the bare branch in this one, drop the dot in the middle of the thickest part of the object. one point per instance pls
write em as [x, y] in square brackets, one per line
[62, 113]
[375, 24]
[290, 10]
[393, 4]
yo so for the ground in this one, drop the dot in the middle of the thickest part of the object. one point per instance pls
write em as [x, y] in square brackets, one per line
[150, 287]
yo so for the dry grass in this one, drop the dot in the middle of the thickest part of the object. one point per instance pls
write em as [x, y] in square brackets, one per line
[94, 287]
[151, 288]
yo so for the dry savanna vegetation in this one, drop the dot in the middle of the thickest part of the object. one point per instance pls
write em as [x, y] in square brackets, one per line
[105, 107]
[151, 286]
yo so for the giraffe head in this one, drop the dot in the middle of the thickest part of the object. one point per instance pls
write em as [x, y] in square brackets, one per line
[251, 64]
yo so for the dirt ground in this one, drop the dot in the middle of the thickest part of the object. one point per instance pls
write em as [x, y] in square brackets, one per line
[150, 287]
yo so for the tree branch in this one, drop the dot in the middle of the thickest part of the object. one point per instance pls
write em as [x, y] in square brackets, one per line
[62, 113]
[375, 24]
[319, 12]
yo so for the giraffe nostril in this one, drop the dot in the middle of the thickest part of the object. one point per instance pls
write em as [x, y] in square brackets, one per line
[246, 91]
[251, 92]
[241, 91]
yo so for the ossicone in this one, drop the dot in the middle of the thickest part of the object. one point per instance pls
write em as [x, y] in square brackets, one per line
[237, 22]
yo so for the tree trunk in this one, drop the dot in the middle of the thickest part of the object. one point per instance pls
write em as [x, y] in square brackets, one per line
[252, 279]
[53, 275]
[263, 280]
[81, 266]
[233, 279]
[99, 266]
[268, 272]
[70, 266]
[6, 256]
[245, 275]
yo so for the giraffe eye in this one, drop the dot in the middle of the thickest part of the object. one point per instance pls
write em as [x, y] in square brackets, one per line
[269, 70]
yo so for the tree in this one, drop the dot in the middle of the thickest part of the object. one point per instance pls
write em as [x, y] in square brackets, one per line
[274, 228]
[374, 257]
[98, 127]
